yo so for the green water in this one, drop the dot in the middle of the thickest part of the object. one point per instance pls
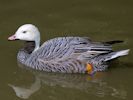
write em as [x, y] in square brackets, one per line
[101, 20]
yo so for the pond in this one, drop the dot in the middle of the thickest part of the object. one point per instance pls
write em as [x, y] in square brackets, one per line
[100, 20]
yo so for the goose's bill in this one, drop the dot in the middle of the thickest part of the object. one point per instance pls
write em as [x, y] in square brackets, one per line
[12, 38]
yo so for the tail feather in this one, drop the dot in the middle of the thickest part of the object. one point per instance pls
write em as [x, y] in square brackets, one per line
[117, 54]
[113, 42]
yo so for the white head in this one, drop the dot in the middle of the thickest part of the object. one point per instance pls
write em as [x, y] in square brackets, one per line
[27, 32]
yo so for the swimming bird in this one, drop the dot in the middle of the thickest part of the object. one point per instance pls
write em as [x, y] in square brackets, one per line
[64, 54]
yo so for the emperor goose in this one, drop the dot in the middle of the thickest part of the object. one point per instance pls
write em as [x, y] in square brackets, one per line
[64, 54]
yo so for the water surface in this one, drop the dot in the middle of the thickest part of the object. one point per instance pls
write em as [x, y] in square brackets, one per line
[101, 20]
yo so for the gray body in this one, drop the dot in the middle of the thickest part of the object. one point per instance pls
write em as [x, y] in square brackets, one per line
[68, 55]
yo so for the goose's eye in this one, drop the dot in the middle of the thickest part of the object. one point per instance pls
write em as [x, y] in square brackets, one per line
[24, 31]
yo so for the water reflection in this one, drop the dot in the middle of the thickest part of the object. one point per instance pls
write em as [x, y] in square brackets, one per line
[96, 85]
[25, 93]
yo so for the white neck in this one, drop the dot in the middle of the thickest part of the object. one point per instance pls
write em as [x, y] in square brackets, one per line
[37, 44]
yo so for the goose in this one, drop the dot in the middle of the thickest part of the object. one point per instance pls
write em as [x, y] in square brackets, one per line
[64, 54]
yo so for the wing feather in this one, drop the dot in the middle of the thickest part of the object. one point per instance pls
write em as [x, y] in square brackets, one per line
[66, 47]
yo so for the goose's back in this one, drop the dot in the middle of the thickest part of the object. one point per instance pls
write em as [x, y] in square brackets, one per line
[61, 47]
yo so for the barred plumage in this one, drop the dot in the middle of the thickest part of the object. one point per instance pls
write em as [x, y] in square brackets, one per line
[64, 54]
